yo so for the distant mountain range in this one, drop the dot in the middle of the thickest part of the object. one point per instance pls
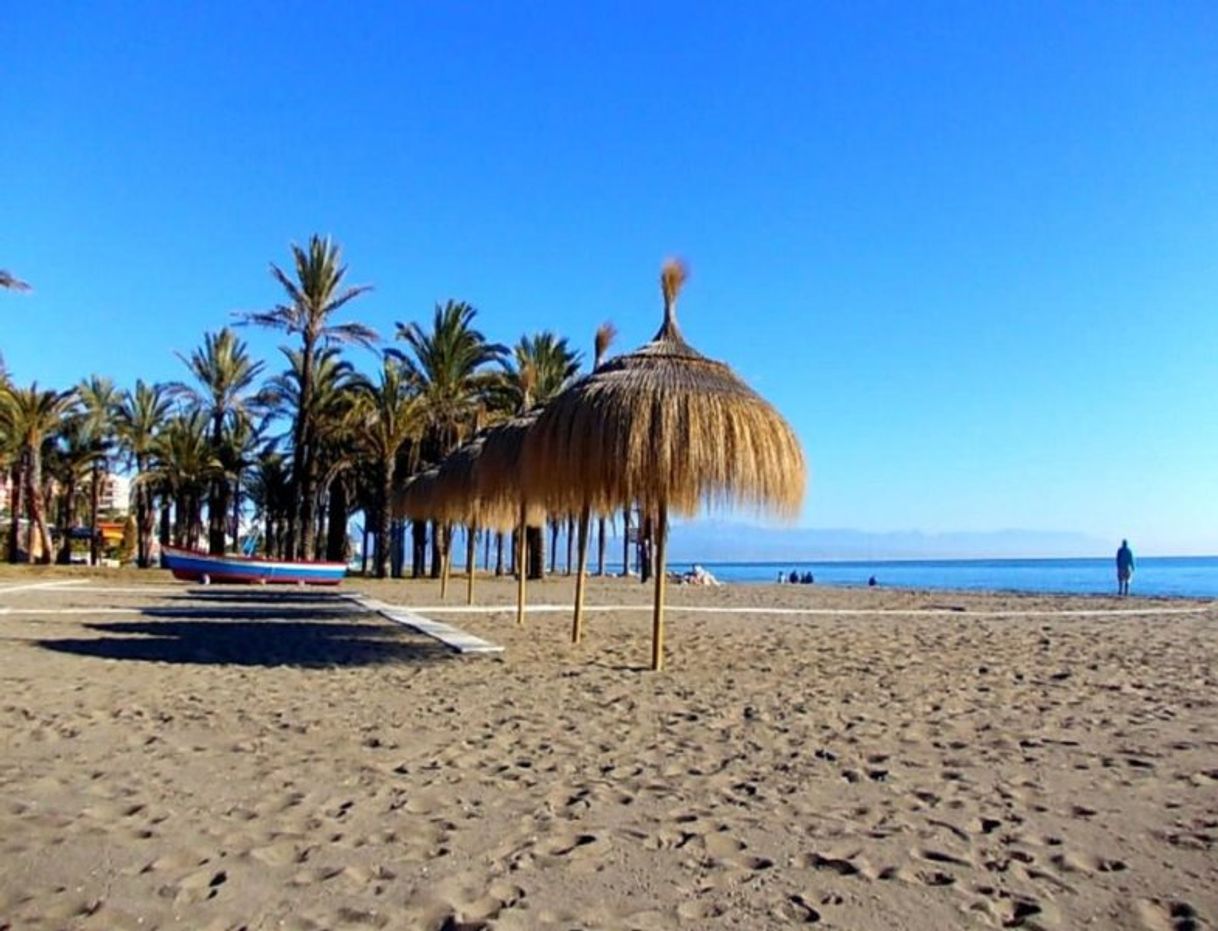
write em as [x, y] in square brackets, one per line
[727, 541]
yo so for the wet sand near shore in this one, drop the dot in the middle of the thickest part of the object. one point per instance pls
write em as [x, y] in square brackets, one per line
[219, 758]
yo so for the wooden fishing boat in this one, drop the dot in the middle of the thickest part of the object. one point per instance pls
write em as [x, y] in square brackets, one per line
[202, 567]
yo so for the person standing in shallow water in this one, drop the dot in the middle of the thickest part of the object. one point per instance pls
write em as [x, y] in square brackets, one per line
[1124, 566]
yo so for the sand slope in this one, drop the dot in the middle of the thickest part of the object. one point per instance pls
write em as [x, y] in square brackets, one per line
[211, 763]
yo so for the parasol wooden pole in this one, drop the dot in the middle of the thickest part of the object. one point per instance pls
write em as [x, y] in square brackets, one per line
[581, 571]
[657, 617]
[470, 545]
[522, 570]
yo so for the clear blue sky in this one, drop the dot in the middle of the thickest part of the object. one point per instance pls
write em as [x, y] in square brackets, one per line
[969, 249]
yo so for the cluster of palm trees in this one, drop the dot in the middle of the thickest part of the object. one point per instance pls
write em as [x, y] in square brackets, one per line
[300, 451]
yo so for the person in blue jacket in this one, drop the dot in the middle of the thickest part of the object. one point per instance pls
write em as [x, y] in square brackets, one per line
[1124, 566]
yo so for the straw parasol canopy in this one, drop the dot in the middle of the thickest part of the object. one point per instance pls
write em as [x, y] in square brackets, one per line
[457, 498]
[499, 485]
[418, 498]
[668, 428]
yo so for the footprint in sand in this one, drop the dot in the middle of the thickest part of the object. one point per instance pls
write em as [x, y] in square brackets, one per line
[197, 886]
[842, 865]
[797, 910]
[563, 844]
[1158, 915]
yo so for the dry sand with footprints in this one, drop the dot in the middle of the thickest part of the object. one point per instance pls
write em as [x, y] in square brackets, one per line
[225, 758]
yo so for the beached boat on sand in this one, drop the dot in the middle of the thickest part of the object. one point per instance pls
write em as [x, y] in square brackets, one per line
[202, 567]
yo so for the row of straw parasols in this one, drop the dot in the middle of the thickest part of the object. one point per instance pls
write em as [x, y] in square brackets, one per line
[663, 427]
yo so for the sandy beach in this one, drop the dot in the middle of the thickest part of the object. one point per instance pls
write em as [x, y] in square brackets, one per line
[177, 757]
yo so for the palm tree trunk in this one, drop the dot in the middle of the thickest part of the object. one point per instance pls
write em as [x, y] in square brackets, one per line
[625, 542]
[180, 519]
[471, 543]
[143, 517]
[446, 551]
[570, 540]
[363, 550]
[38, 519]
[437, 560]
[397, 547]
[383, 517]
[94, 504]
[69, 518]
[645, 549]
[535, 552]
[237, 512]
[418, 549]
[486, 549]
[165, 529]
[17, 480]
[600, 546]
[499, 554]
[300, 491]
[336, 537]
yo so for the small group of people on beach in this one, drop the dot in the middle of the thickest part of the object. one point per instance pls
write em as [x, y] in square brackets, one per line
[795, 578]
[696, 576]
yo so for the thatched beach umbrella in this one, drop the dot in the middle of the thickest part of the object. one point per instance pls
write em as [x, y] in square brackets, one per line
[498, 484]
[456, 497]
[419, 499]
[670, 429]
[604, 337]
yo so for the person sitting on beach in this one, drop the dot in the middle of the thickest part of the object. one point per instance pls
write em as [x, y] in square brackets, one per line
[1124, 567]
[807, 579]
[781, 578]
[793, 578]
[872, 583]
[698, 576]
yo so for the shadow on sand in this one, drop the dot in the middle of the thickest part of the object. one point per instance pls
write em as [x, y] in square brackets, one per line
[256, 612]
[270, 594]
[252, 642]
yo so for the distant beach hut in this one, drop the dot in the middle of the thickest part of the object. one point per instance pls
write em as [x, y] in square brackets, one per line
[668, 428]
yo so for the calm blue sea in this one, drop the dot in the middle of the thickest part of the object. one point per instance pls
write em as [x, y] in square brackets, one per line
[1195, 576]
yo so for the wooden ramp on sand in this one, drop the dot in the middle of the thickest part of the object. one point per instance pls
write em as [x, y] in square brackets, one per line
[452, 637]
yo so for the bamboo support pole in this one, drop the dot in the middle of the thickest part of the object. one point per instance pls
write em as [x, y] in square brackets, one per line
[522, 569]
[581, 571]
[659, 568]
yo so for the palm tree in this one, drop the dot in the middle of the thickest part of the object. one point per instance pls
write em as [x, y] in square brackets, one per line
[326, 419]
[553, 364]
[313, 297]
[183, 464]
[237, 454]
[225, 374]
[98, 400]
[27, 417]
[138, 418]
[448, 366]
[10, 282]
[540, 367]
[270, 492]
[70, 458]
[389, 414]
